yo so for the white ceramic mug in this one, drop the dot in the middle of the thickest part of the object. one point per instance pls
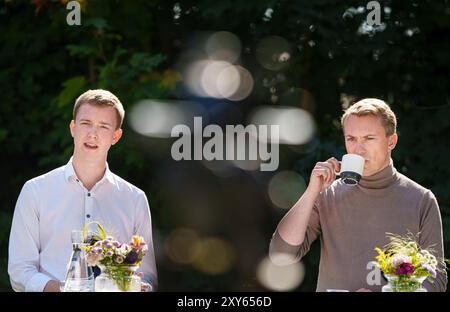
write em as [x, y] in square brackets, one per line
[352, 167]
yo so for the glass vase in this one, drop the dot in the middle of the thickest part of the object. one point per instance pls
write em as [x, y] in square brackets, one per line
[118, 278]
[404, 283]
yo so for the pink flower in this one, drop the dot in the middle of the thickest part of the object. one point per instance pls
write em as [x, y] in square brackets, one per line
[405, 269]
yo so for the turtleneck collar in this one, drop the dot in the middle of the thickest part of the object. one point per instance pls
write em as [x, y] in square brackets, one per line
[381, 179]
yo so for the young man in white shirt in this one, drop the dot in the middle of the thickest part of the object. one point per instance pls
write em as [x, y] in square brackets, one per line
[50, 206]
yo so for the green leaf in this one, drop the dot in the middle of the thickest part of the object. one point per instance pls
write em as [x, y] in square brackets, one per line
[107, 72]
[71, 89]
[145, 61]
[80, 50]
[97, 22]
[100, 230]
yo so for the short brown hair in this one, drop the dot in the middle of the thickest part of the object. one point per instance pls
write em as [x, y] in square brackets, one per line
[373, 107]
[100, 97]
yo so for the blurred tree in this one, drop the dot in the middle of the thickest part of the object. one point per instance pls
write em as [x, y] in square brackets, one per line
[132, 48]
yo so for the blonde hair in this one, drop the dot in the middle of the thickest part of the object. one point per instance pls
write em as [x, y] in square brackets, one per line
[100, 97]
[374, 107]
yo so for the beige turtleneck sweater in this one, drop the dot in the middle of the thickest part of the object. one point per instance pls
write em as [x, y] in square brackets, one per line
[352, 220]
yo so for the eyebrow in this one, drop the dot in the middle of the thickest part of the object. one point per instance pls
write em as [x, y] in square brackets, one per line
[365, 136]
[101, 122]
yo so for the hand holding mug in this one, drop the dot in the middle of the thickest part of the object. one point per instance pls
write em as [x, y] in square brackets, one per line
[323, 174]
[350, 169]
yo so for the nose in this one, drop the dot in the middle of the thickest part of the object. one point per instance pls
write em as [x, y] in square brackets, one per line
[92, 132]
[359, 149]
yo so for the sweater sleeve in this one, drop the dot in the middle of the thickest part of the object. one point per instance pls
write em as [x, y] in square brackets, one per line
[431, 237]
[281, 252]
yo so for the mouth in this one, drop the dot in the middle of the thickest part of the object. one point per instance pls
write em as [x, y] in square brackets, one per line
[90, 146]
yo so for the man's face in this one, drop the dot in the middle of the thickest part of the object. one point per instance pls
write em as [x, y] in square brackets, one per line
[94, 131]
[366, 136]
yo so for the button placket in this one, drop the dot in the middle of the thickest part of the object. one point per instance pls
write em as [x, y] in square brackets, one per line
[89, 203]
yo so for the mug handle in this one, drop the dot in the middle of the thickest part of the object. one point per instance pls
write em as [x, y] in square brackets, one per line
[338, 173]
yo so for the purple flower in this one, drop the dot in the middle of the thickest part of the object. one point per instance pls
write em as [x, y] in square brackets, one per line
[97, 250]
[93, 259]
[109, 253]
[405, 269]
[429, 269]
[131, 257]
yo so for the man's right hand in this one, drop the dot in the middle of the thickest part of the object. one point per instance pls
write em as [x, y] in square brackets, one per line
[292, 227]
[323, 174]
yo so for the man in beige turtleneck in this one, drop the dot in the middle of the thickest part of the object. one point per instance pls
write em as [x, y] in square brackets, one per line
[352, 220]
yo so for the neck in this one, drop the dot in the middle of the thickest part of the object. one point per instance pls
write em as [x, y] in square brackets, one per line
[89, 171]
[381, 179]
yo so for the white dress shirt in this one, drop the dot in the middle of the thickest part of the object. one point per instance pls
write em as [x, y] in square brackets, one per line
[50, 206]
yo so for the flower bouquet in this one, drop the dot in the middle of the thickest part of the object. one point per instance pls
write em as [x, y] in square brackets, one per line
[405, 265]
[118, 261]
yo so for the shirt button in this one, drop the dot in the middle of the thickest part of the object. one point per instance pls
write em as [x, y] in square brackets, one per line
[78, 180]
[89, 194]
[88, 216]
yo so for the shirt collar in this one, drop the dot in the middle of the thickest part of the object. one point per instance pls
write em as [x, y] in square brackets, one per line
[70, 174]
[108, 175]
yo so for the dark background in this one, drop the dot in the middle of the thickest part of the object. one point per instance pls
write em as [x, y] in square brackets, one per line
[135, 48]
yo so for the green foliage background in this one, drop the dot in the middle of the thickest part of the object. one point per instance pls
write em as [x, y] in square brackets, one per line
[132, 48]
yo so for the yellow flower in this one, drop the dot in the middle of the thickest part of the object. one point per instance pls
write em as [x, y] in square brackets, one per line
[136, 241]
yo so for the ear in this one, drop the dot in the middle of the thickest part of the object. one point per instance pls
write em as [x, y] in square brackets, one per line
[72, 127]
[117, 136]
[392, 141]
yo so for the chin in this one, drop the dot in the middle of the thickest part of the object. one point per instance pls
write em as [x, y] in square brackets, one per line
[368, 172]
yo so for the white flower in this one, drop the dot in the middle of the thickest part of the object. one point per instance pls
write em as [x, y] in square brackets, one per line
[119, 259]
[399, 259]
[124, 249]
